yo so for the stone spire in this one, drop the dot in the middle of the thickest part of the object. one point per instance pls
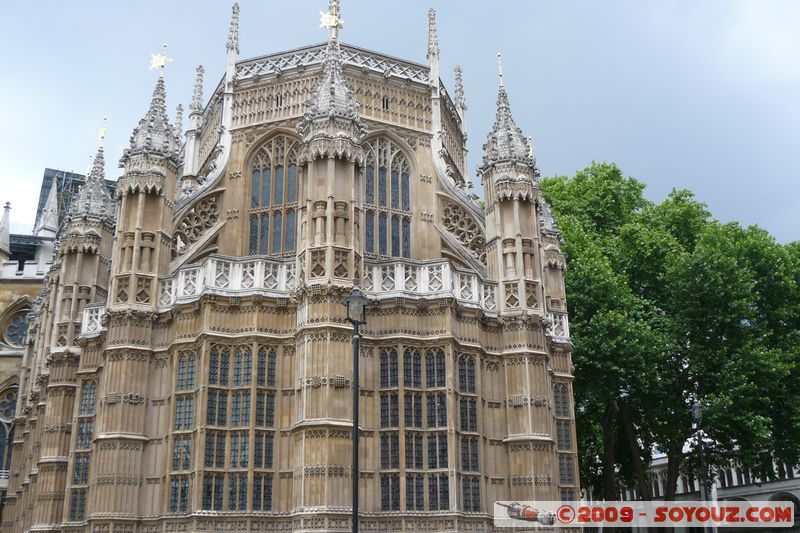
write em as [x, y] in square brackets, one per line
[154, 134]
[433, 37]
[197, 97]
[47, 225]
[505, 142]
[5, 233]
[233, 32]
[332, 112]
[179, 122]
[93, 199]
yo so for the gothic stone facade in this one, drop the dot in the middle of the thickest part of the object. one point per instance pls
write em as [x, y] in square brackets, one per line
[189, 367]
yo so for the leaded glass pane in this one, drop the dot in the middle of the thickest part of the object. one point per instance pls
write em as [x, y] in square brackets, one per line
[382, 187]
[290, 230]
[406, 194]
[395, 189]
[266, 179]
[271, 368]
[276, 232]
[278, 185]
[88, 398]
[253, 242]
[370, 185]
[406, 237]
[395, 236]
[261, 373]
[263, 243]
[382, 237]
[291, 186]
[369, 231]
[224, 364]
[255, 188]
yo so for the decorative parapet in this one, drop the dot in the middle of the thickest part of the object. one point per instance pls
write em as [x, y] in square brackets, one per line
[92, 323]
[559, 326]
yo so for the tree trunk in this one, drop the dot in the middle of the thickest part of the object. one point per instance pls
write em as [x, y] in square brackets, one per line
[636, 457]
[609, 462]
[673, 462]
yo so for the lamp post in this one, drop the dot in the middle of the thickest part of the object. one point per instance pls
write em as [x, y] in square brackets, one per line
[697, 416]
[356, 303]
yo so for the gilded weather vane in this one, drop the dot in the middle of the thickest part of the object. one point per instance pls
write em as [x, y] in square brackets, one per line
[160, 60]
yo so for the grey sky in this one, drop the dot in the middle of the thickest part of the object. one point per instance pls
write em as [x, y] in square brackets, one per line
[697, 94]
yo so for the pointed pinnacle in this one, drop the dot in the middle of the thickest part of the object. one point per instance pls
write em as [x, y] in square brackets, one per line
[433, 38]
[233, 32]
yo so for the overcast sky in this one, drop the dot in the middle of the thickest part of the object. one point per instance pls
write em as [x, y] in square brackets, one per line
[691, 94]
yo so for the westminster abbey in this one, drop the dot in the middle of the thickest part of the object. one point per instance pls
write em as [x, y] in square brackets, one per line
[188, 364]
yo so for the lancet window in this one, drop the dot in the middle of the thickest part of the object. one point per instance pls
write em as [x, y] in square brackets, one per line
[82, 456]
[387, 200]
[564, 424]
[273, 198]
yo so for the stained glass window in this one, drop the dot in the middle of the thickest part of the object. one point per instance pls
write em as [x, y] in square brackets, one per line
[275, 174]
[392, 201]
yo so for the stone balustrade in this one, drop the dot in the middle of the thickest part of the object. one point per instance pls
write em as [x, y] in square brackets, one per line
[278, 278]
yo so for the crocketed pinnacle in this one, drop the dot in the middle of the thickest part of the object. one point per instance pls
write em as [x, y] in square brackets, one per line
[505, 142]
[332, 98]
[93, 199]
[233, 32]
[154, 134]
[433, 37]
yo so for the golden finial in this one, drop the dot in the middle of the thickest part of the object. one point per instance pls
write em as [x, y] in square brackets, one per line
[101, 134]
[160, 60]
[500, 67]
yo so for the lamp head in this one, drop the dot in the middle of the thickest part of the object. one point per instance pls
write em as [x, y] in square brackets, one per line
[356, 303]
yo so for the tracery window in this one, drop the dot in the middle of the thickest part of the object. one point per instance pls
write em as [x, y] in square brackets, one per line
[218, 364]
[217, 408]
[388, 367]
[468, 412]
[273, 198]
[387, 200]
[8, 406]
[437, 409]
[186, 371]
[466, 373]
[435, 368]
[16, 328]
[412, 368]
[242, 366]
[265, 373]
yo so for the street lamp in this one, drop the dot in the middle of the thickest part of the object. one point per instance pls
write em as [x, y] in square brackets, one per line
[356, 303]
[697, 416]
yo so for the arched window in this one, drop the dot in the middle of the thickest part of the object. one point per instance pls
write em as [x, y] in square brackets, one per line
[561, 397]
[466, 373]
[273, 198]
[387, 200]
[8, 405]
